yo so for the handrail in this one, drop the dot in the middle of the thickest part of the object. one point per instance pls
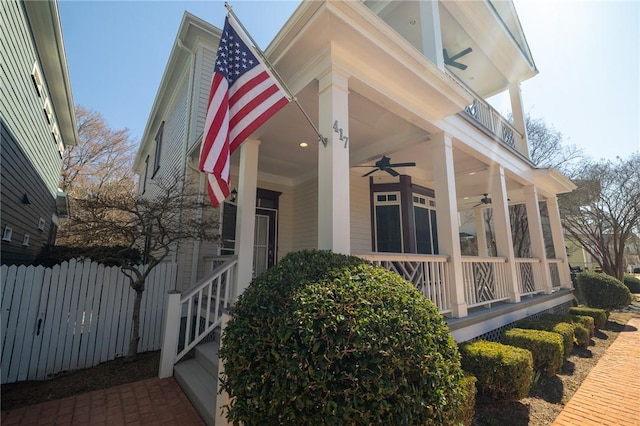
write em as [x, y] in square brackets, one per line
[201, 308]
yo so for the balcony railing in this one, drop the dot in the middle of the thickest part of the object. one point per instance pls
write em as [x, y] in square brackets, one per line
[554, 270]
[485, 280]
[529, 274]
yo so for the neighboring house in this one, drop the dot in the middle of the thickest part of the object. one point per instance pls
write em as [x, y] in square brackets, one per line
[37, 121]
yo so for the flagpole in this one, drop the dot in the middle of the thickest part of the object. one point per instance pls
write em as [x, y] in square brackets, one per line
[275, 73]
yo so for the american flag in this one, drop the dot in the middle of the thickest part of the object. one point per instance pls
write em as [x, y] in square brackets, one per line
[243, 96]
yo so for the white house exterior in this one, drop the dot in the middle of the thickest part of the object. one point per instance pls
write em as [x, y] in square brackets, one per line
[376, 80]
[37, 121]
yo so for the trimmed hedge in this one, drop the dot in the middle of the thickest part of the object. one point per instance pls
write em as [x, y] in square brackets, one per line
[632, 283]
[599, 316]
[586, 321]
[323, 338]
[545, 346]
[468, 409]
[564, 329]
[603, 291]
[503, 372]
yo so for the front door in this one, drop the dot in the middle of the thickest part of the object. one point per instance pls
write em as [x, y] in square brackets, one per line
[265, 245]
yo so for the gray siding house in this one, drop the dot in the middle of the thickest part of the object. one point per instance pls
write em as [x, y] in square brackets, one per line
[37, 122]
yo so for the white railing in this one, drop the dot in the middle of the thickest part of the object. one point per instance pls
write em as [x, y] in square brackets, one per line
[485, 280]
[493, 121]
[529, 275]
[428, 273]
[193, 315]
[554, 270]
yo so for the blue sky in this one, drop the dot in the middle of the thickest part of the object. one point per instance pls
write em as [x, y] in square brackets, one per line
[588, 54]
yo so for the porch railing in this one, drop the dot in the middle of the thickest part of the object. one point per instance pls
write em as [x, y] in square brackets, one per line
[493, 121]
[485, 280]
[192, 316]
[428, 273]
[529, 275]
[554, 270]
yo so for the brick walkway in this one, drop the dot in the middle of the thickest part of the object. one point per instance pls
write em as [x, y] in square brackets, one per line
[147, 402]
[610, 394]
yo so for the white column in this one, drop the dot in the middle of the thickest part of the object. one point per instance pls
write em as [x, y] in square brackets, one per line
[222, 398]
[447, 218]
[558, 241]
[502, 226]
[481, 232]
[535, 234]
[246, 214]
[333, 164]
[517, 111]
[431, 32]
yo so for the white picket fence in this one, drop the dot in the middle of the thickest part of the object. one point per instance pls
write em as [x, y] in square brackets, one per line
[74, 315]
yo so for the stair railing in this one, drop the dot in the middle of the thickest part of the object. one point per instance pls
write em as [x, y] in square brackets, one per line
[192, 316]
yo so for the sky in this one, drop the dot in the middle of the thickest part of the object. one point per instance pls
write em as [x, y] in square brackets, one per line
[587, 53]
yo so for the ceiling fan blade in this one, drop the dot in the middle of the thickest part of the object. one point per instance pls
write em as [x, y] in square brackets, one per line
[367, 174]
[391, 172]
[457, 65]
[410, 164]
[461, 54]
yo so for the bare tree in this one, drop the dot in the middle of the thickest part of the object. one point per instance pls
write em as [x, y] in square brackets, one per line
[101, 162]
[547, 149]
[604, 211]
[153, 226]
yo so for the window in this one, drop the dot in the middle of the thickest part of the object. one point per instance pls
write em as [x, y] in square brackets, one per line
[7, 233]
[41, 224]
[388, 221]
[36, 77]
[146, 173]
[55, 131]
[425, 225]
[25, 240]
[48, 112]
[156, 164]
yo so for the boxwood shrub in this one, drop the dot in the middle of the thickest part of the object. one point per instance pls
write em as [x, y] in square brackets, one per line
[503, 372]
[603, 291]
[585, 331]
[328, 339]
[564, 329]
[632, 283]
[546, 348]
[467, 410]
[599, 316]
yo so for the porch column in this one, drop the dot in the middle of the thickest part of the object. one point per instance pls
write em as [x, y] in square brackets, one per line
[333, 164]
[519, 123]
[447, 215]
[502, 225]
[246, 214]
[558, 242]
[535, 234]
[431, 32]
[481, 232]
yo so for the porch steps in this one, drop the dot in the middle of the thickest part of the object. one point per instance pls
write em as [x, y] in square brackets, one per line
[198, 379]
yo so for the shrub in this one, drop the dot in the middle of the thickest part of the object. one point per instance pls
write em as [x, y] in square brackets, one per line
[632, 283]
[603, 291]
[503, 372]
[545, 346]
[323, 338]
[586, 321]
[599, 316]
[467, 410]
[564, 329]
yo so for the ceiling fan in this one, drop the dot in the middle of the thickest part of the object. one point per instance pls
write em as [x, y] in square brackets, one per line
[453, 60]
[386, 165]
[484, 200]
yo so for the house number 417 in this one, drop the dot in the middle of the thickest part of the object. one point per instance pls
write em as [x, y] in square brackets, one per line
[338, 129]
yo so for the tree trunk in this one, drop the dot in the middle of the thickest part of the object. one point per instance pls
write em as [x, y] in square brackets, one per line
[135, 334]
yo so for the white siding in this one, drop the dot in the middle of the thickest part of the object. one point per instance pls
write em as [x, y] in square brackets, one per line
[204, 70]
[305, 216]
[360, 214]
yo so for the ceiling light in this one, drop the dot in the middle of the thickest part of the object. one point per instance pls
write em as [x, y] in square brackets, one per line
[303, 144]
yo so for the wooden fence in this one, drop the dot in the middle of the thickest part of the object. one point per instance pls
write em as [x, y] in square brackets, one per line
[74, 315]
